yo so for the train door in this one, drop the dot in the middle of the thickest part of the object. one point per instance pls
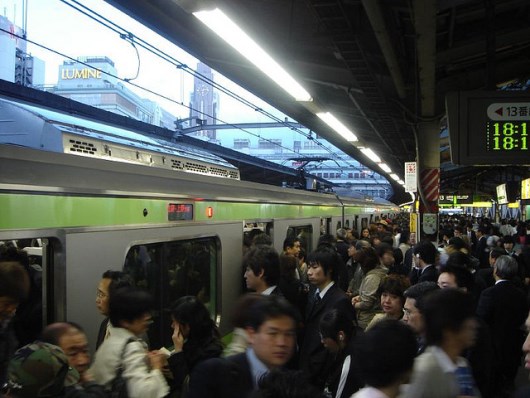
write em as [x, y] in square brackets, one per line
[170, 270]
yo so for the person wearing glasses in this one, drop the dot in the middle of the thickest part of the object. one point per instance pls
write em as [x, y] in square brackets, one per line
[412, 315]
[110, 281]
[130, 316]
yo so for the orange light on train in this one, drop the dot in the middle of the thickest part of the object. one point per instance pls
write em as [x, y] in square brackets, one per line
[209, 212]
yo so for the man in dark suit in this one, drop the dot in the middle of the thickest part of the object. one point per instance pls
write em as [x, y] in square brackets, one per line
[424, 257]
[110, 282]
[481, 248]
[504, 308]
[262, 270]
[325, 295]
[271, 329]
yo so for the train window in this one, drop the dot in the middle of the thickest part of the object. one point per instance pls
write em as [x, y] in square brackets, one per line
[304, 234]
[356, 224]
[364, 223]
[252, 229]
[339, 225]
[347, 224]
[170, 270]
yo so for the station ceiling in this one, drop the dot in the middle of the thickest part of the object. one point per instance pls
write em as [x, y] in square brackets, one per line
[381, 66]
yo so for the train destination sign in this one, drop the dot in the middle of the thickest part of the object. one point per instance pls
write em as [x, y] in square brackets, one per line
[179, 212]
[489, 127]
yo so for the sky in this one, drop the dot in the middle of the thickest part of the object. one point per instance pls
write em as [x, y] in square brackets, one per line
[60, 27]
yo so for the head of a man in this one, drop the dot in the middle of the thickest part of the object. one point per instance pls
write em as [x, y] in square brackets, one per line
[291, 246]
[71, 338]
[271, 330]
[110, 281]
[14, 288]
[455, 277]
[449, 317]
[321, 266]
[425, 254]
[505, 267]
[412, 314]
[387, 351]
[262, 268]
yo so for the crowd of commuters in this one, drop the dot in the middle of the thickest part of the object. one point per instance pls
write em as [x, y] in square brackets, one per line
[373, 315]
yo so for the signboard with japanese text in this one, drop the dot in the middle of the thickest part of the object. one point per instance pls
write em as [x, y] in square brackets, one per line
[411, 177]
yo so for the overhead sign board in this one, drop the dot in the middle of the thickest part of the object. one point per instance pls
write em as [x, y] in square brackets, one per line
[411, 177]
[525, 189]
[489, 127]
[502, 196]
[446, 199]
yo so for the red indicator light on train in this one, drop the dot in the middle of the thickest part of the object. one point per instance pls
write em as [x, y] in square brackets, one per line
[209, 212]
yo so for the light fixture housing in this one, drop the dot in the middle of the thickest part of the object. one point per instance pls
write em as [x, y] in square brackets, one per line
[232, 34]
[371, 155]
[337, 125]
[385, 167]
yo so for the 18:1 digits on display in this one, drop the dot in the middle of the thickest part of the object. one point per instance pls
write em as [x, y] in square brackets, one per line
[508, 136]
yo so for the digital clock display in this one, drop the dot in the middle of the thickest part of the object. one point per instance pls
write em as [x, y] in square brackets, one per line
[507, 136]
[489, 127]
[180, 212]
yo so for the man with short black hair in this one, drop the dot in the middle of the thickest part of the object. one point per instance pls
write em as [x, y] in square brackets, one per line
[412, 315]
[323, 296]
[271, 329]
[262, 270]
[384, 357]
[424, 268]
[109, 283]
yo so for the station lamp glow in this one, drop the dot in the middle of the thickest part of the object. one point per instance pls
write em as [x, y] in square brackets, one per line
[232, 34]
[337, 125]
[401, 182]
[395, 177]
[385, 167]
[371, 155]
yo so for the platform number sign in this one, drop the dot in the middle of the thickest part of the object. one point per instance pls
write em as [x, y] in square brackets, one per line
[489, 127]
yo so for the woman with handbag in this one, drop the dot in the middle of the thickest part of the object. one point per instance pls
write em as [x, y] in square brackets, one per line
[122, 363]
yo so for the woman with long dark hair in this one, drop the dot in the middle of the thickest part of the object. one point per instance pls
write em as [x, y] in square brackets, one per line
[195, 338]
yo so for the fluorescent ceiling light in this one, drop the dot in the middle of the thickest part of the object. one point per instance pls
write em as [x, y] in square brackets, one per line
[225, 28]
[371, 155]
[336, 125]
[401, 182]
[394, 177]
[385, 167]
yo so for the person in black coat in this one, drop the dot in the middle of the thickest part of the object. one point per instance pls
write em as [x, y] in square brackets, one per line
[324, 296]
[271, 328]
[424, 268]
[195, 338]
[338, 334]
[504, 308]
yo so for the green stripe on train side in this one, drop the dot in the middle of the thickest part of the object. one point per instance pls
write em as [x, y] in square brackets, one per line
[22, 211]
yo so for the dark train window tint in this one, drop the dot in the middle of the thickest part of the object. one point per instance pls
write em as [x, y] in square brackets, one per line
[170, 270]
[305, 234]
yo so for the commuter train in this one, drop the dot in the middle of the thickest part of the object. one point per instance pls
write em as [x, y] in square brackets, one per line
[83, 197]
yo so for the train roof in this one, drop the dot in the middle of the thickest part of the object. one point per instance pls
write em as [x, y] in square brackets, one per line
[50, 130]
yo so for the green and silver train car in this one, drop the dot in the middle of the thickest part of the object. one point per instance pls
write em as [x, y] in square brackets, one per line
[82, 197]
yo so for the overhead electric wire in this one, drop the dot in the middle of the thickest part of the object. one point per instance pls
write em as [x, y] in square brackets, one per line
[135, 40]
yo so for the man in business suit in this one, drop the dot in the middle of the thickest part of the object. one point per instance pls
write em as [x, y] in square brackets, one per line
[262, 270]
[481, 248]
[271, 329]
[504, 308]
[324, 295]
[424, 269]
